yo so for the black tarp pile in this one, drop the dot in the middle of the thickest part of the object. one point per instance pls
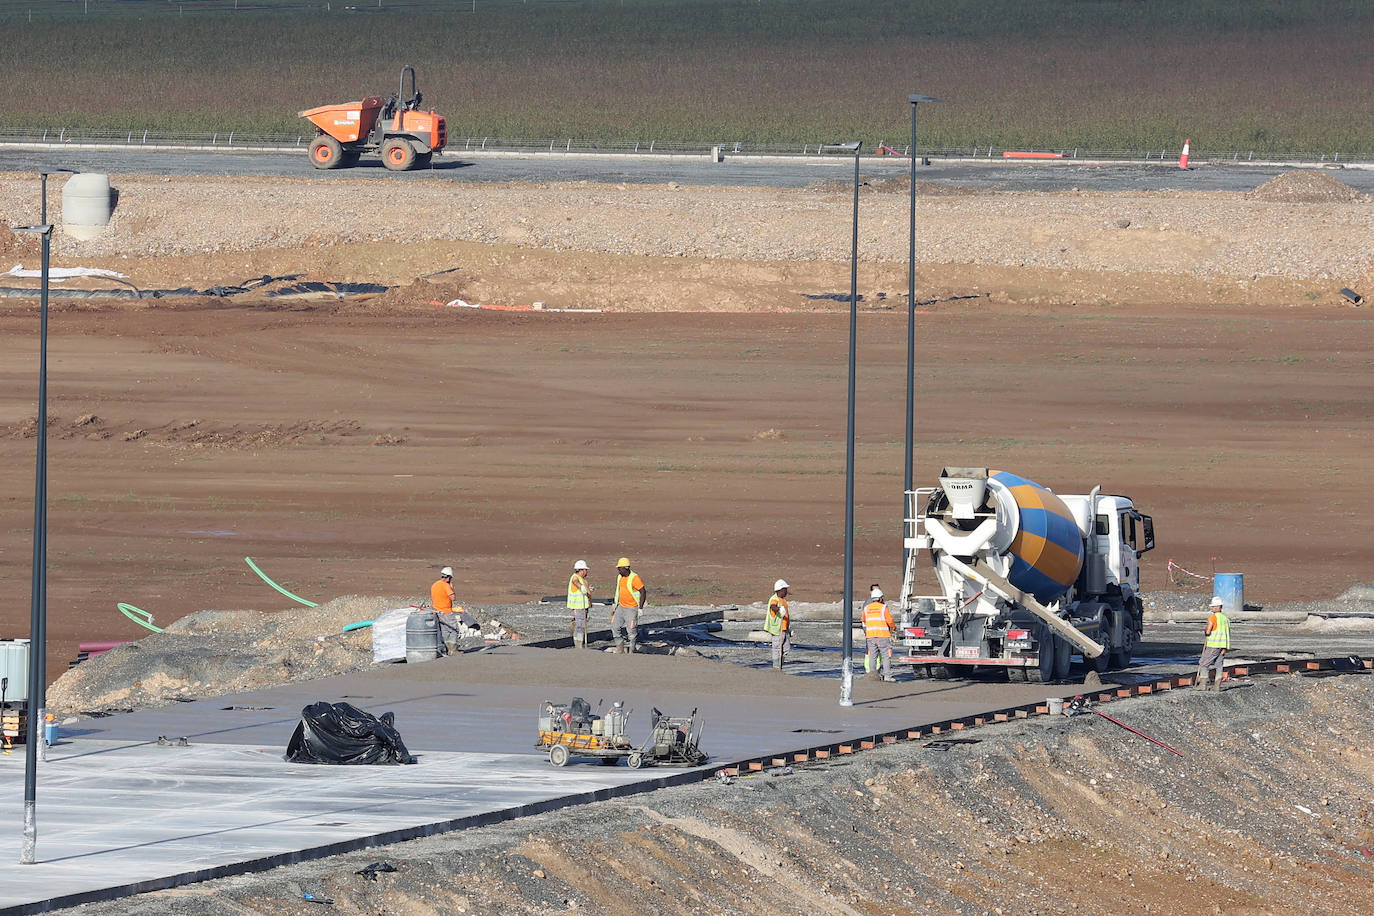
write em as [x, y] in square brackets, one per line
[342, 733]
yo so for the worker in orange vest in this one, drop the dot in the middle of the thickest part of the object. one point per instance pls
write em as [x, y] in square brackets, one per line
[630, 596]
[778, 623]
[441, 596]
[878, 627]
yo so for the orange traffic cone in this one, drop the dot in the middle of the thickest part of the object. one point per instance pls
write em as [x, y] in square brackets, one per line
[1183, 158]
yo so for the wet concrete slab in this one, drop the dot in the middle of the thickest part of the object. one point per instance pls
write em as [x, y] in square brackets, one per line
[118, 813]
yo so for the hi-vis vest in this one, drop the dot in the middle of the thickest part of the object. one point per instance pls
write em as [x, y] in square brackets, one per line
[877, 621]
[778, 619]
[1220, 637]
[624, 595]
[578, 599]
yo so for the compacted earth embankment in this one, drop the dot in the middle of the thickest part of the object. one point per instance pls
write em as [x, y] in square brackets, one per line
[1265, 809]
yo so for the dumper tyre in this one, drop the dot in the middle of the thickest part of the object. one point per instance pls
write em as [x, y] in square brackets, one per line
[350, 159]
[1121, 655]
[398, 155]
[424, 160]
[558, 755]
[326, 153]
[1063, 658]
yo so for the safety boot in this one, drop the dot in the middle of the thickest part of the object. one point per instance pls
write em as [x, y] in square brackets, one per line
[632, 647]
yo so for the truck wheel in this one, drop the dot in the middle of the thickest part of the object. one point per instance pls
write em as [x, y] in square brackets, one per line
[939, 672]
[326, 153]
[398, 155]
[1103, 661]
[1016, 674]
[920, 671]
[1063, 658]
[1121, 656]
[558, 755]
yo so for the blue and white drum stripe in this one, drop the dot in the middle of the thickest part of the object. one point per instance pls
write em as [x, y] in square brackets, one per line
[1047, 552]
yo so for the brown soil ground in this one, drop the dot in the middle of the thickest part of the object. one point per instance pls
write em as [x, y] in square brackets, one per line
[1189, 350]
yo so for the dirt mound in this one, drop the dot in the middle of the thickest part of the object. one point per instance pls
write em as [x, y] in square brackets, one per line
[1304, 187]
[422, 295]
[216, 652]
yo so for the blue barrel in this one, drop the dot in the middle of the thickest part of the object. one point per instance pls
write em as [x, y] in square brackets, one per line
[1230, 588]
[1047, 551]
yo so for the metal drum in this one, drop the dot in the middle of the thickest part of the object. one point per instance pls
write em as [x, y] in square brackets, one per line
[1047, 548]
[422, 637]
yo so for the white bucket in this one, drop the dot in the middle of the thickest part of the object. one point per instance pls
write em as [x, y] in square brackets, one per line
[1056, 705]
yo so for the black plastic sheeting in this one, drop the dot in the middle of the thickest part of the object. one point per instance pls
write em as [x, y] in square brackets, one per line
[341, 733]
[303, 288]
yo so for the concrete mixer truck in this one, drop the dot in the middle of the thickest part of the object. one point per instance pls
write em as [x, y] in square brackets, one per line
[1027, 578]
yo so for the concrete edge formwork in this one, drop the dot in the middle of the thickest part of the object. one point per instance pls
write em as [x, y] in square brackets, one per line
[826, 751]
[739, 767]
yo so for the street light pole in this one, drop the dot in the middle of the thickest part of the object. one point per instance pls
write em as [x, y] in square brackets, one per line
[38, 608]
[847, 650]
[910, 455]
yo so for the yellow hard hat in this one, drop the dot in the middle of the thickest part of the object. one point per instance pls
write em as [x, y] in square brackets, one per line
[623, 561]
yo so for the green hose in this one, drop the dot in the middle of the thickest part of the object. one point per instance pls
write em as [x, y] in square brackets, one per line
[138, 616]
[263, 576]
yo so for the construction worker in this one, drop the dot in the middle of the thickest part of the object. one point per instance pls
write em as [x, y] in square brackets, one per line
[630, 596]
[579, 602]
[868, 662]
[1218, 640]
[441, 596]
[779, 622]
[878, 627]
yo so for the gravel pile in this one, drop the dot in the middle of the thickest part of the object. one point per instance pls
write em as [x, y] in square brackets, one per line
[1305, 187]
[1207, 234]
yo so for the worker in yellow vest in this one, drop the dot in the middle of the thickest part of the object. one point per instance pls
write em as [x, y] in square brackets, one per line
[630, 596]
[579, 602]
[878, 627]
[1218, 635]
[778, 623]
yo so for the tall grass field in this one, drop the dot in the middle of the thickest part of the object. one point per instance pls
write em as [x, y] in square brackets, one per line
[1268, 76]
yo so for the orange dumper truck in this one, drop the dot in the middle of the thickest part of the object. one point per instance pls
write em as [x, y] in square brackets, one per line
[406, 136]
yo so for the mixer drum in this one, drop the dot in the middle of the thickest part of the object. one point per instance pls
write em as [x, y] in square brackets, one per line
[1047, 548]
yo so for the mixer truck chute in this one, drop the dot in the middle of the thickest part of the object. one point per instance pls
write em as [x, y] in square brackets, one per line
[1027, 578]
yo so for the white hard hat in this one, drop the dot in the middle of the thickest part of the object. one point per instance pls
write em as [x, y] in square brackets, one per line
[580, 564]
[1217, 602]
[780, 584]
[876, 593]
[446, 571]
